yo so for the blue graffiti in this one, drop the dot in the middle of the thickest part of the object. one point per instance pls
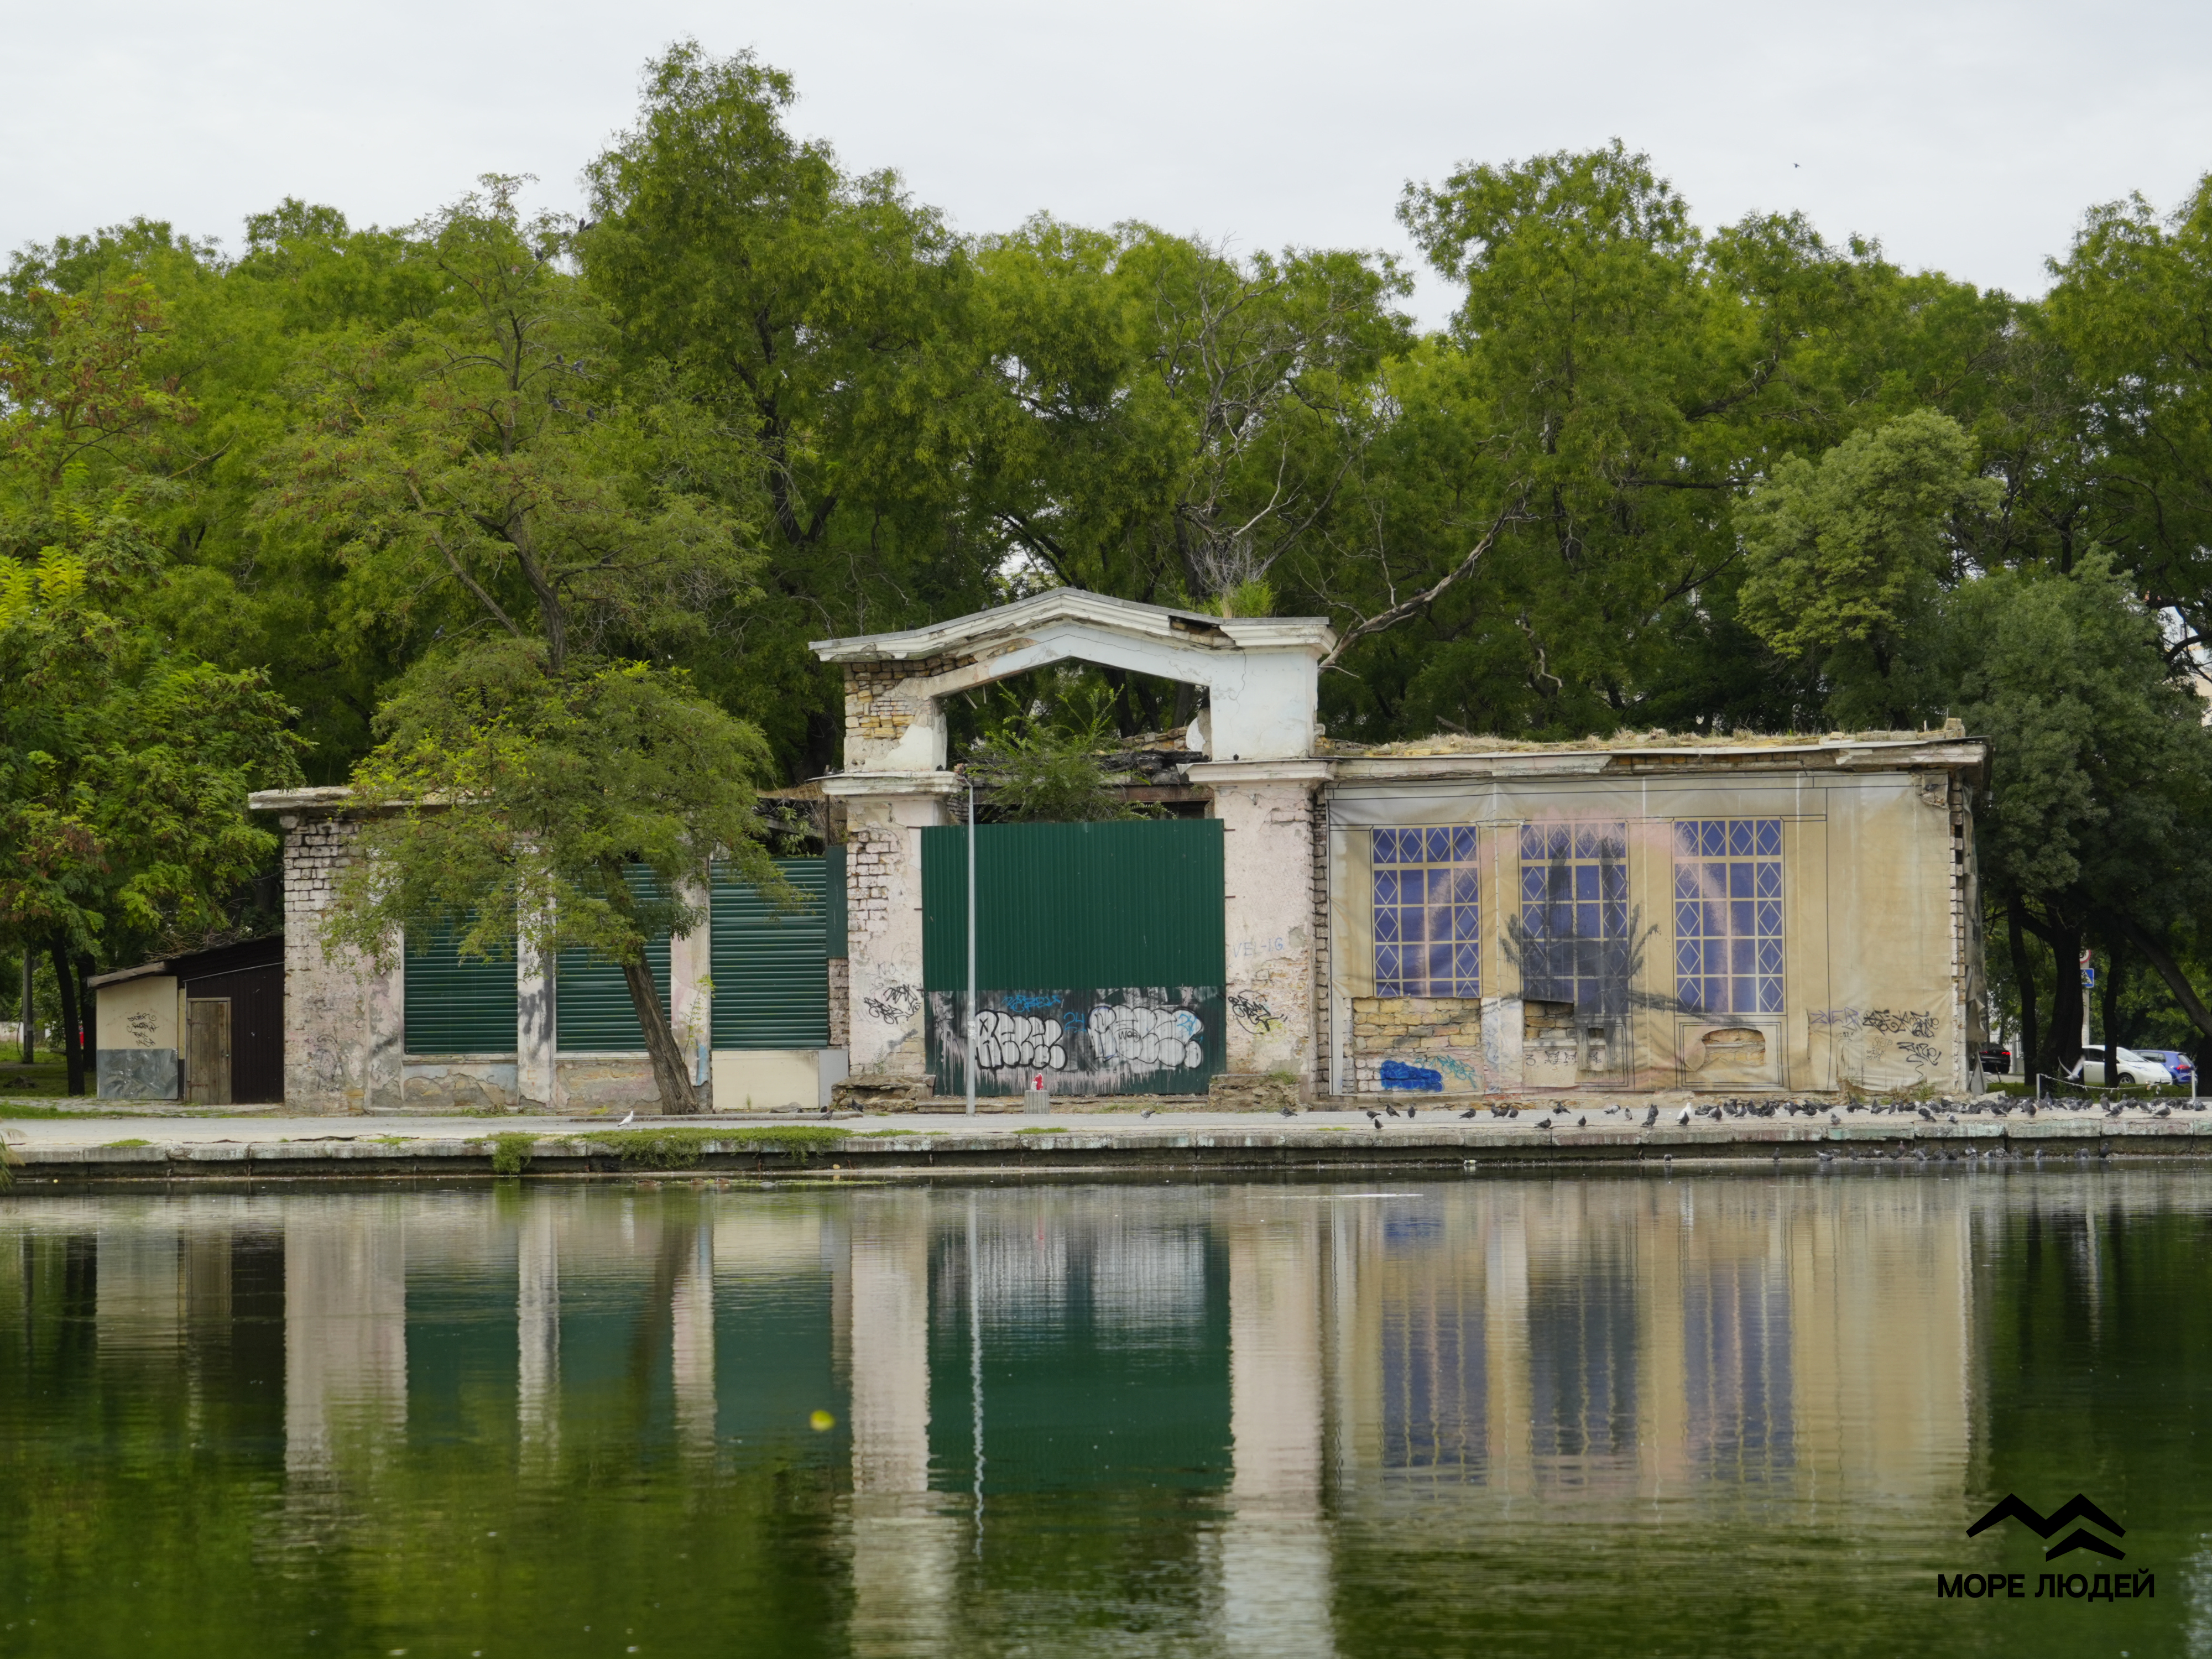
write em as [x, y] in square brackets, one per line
[1396, 1074]
[1030, 1002]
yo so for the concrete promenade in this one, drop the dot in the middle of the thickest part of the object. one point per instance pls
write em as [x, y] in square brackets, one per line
[271, 1145]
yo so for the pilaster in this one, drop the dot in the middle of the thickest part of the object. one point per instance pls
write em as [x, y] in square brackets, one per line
[1267, 811]
[885, 815]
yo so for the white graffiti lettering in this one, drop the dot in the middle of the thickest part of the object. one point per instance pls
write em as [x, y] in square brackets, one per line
[1147, 1036]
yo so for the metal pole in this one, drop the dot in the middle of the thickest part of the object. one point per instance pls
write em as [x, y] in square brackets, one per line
[30, 1044]
[970, 1065]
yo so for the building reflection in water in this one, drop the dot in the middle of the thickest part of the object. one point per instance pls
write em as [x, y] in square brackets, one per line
[1269, 1364]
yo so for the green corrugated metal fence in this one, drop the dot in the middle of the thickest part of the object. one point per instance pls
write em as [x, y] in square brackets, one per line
[771, 969]
[592, 1007]
[455, 1006]
[1100, 958]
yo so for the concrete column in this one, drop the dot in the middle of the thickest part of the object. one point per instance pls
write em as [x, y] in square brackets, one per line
[690, 1004]
[1267, 811]
[885, 815]
[534, 1047]
[343, 1021]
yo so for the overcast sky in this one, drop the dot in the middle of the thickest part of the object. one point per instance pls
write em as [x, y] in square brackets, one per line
[1968, 137]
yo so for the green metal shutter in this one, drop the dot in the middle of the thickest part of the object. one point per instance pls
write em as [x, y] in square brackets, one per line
[771, 972]
[1075, 904]
[591, 1010]
[455, 1006]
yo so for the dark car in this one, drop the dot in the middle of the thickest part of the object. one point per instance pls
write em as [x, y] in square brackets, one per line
[1997, 1060]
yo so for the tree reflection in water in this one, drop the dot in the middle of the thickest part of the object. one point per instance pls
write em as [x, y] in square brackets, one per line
[1514, 1414]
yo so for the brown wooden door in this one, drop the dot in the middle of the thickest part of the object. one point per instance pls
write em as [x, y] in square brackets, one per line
[207, 1051]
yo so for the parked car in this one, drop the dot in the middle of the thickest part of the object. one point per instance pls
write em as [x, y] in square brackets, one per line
[2183, 1068]
[1997, 1060]
[2125, 1066]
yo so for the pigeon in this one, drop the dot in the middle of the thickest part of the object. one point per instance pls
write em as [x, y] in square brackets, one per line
[1685, 1118]
[1926, 1114]
[1650, 1117]
[1148, 1110]
[1582, 1123]
[1832, 1118]
[1376, 1121]
[628, 1118]
[1469, 1112]
[2163, 1111]
[1544, 1123]
[1388, 1107]
[1410, 1111]
[1516, 1112]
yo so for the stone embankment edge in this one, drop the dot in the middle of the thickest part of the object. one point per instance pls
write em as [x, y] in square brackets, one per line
[1208, 1150]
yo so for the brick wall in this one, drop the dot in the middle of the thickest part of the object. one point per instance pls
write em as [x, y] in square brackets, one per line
[1437, 1032]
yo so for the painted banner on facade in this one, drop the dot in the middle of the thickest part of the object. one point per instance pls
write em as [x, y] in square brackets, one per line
[1121, 1040]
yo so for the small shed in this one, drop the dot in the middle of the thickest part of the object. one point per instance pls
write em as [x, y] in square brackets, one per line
[204, 1026]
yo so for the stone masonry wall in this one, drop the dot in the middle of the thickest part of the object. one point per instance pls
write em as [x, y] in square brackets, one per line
[342, 1021]
[877, 708]
[1441, 1034]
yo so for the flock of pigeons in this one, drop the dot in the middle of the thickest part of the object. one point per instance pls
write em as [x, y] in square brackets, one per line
[1944, 1110]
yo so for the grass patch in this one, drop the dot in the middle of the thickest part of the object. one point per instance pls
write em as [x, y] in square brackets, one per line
[126, 1143]
[682, 1146]
[884, 1134]
[16, 1108]
[510, 1154]
[1043, 1129]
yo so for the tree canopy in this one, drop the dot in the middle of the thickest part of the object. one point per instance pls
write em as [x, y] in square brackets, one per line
[406, 505]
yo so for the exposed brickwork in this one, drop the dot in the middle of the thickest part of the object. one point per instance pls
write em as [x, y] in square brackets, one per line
[334, 1050]
[876, 707]
[1322, 953]
[1442, 1033]
[840, 1002]
[872, 852]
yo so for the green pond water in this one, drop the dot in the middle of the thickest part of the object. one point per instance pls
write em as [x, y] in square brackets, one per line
[1619, 1414]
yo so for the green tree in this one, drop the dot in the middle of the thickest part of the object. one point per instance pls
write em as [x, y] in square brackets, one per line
[2101, 766]
[1846, 557]
[490, 477]
[508, 801]
[123, 764]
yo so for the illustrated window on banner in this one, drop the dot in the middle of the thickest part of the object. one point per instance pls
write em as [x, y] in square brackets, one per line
[1574, 913]
[1428, 914]
[1728, 916]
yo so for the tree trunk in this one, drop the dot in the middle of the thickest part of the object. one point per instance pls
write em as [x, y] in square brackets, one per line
[72, 1034]
[2108, 991]
[2066, 1003]
[2023, 973]
[2161, 959]
[671, 1072]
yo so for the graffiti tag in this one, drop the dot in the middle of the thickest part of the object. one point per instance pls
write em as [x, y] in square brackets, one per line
[897, 1004]
[1891, 1021]
[142, 1029]
[1254, 1016]
[1396, 1075]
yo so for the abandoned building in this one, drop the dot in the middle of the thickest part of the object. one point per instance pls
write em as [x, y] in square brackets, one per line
[1455, 916]
[204, 1026]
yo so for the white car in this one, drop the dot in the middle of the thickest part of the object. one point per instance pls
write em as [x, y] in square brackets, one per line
[2131, 1066]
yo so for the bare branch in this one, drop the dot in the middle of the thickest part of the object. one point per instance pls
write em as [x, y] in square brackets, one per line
[1511, 514]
